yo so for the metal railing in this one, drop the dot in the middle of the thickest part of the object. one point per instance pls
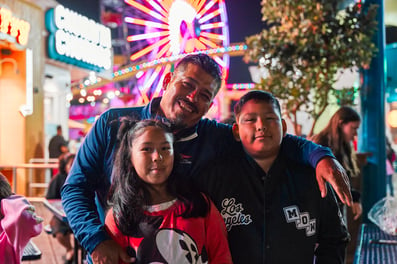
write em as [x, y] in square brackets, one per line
[34, 164]
[47, 177]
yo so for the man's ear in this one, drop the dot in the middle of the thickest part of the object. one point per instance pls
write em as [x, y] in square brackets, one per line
[284, 124]
[167, 80]
[236, 134]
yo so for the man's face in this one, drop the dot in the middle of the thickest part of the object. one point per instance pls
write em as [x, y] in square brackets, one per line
[260, 128]
[188, 96]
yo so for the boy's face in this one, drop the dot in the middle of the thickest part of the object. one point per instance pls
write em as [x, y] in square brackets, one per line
[260, 129]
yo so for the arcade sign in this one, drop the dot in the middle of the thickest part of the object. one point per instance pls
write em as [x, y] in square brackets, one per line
[78, 40]
[13, 30]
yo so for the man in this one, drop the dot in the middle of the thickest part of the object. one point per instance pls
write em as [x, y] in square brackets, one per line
[57, 145]
[188, 94]
[271, 204]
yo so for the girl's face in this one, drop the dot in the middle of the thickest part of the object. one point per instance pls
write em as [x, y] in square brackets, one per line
[153, 156]
[350, 130]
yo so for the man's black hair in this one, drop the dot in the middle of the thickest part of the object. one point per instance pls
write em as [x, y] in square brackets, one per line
[205, 62]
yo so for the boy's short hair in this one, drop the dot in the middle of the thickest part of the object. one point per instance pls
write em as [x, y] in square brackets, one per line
[257, 96]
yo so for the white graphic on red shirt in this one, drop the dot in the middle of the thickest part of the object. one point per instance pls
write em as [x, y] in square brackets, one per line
[176, 246]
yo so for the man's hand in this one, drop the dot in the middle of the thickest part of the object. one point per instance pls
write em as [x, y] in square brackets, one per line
[109, 252]
[357, 210]
[330, 170]
[362, 158]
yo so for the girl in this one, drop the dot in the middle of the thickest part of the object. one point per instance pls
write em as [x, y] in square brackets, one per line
[18, 223]
[155, 216]
[338, 135]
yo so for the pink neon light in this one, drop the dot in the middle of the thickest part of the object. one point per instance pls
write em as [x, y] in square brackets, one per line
[206, 8]
[208, 42]
[160, 84]
[149, 82]
[142, 22]
[163, 50]
[212, 25]
[158, 7]
[147, 36]
[209, 16]
[145, 10]
[212, 35]
[148, 49]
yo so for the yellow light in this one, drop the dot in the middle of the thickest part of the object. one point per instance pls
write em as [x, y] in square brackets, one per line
[392, 118]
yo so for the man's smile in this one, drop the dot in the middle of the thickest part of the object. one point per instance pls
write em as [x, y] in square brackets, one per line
[187, 106]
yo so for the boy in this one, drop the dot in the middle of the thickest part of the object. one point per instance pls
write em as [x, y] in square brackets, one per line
[272, 205]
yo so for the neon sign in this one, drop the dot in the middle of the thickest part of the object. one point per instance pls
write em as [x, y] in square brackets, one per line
[78, 40]
[12, 29]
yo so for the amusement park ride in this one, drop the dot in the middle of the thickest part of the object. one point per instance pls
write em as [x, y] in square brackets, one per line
[154, 34]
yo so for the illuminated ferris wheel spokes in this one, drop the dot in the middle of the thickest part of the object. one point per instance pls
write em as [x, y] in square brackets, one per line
[160, 29]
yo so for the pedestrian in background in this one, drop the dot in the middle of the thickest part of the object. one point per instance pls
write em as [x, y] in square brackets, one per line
[59, 229]
[338, 135]
[58, 144]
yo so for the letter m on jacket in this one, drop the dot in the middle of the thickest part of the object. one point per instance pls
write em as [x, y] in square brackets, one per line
[291, 213]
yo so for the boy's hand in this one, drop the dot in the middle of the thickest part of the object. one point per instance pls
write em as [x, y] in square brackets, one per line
[330, 170]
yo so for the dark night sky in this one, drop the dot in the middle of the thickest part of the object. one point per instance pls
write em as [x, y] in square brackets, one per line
[244, 19]
[88, 8]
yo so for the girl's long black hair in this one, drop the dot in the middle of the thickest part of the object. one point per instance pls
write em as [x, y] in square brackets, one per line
[128, 193]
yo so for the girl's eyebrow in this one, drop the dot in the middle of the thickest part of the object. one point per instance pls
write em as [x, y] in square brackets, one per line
[151, 142]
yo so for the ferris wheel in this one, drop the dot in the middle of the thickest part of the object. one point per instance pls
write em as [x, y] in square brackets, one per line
[165, 28]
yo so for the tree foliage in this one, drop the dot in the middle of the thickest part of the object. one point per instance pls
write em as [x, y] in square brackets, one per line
[305, 44]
